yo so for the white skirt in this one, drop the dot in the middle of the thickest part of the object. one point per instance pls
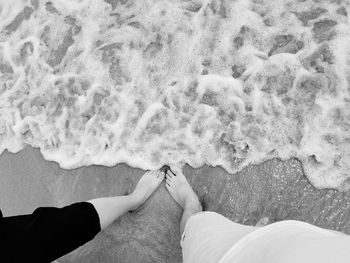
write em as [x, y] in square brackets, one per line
[210, 237]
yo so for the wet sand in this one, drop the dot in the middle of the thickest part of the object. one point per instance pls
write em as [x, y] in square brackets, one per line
[274, 189]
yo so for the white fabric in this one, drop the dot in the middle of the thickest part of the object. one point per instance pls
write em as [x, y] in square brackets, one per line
[210, 237]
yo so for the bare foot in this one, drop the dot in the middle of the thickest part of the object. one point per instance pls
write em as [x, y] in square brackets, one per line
[148, 183]
[181, 191]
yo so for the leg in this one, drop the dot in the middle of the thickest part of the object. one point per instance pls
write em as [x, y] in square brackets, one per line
[207, 235]
[48, 233]
[51, 232]
[110, 208]
[182, 192]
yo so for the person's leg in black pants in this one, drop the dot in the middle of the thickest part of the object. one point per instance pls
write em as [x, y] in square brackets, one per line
[50, 233]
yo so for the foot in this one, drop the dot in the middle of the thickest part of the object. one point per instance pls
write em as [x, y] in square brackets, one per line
[181, 191]
[148, 183]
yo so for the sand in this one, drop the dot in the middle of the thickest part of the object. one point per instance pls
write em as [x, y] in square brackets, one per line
[273, 189]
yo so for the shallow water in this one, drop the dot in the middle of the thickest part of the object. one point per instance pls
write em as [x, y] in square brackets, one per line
[171, 82]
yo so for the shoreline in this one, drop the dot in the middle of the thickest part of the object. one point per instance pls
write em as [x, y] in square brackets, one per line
[275, 189]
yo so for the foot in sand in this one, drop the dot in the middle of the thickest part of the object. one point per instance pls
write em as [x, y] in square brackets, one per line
[148, 183]
[181, 191]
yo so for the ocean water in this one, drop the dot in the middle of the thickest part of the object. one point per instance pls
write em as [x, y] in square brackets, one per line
[156, 82]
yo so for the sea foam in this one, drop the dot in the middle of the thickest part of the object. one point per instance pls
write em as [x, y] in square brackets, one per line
[149, 83]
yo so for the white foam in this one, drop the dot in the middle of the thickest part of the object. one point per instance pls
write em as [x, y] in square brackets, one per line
[150, 83]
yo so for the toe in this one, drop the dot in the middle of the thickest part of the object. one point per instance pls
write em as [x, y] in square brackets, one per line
[172, 173]
[169, 175]
[168, 179]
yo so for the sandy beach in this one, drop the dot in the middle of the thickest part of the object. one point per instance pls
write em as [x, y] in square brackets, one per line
[274, 189]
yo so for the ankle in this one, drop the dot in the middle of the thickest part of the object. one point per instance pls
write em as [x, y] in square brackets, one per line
[192, 203]
[135, 200]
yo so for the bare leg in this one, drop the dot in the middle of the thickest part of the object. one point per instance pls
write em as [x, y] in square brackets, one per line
[183, 194]
[110, 208]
